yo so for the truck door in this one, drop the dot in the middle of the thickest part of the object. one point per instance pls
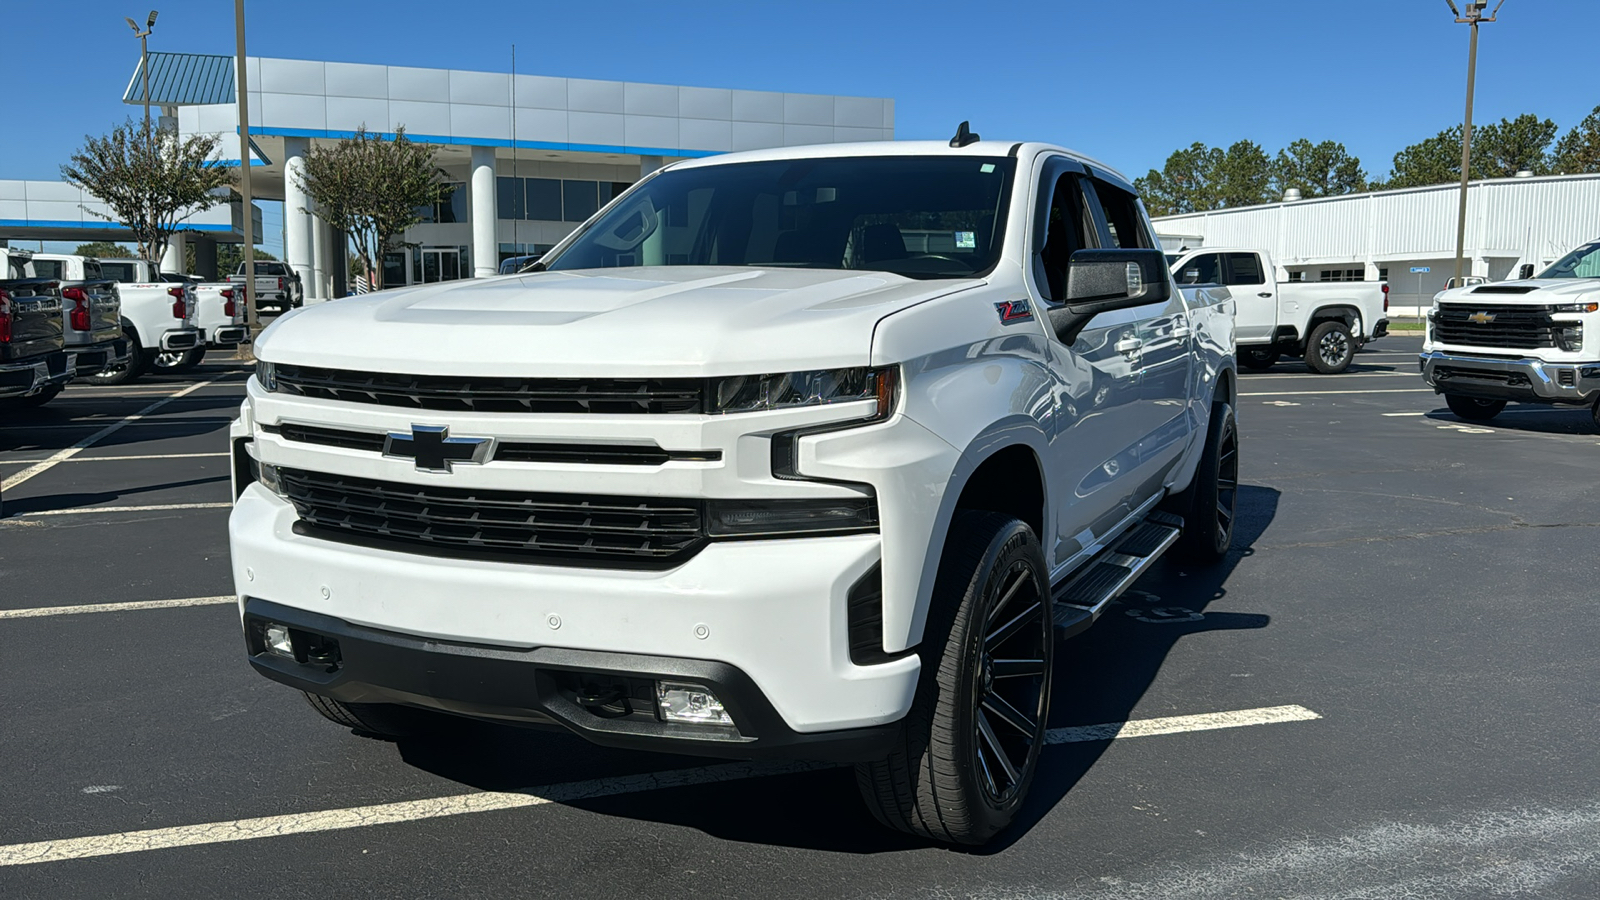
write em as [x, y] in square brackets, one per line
[1256, 294]
[1094, 443]
[1164, 338]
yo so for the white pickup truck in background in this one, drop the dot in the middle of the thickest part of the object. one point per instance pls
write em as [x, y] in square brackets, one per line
[220, 314]
[157, 317]
[277, 285]
[1324, 322]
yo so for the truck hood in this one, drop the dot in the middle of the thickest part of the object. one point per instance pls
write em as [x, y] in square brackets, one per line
[655, 322]
[1530, 292]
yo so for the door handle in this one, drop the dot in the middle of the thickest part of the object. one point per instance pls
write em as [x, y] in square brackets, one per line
[1129, 347]
[1265, 295]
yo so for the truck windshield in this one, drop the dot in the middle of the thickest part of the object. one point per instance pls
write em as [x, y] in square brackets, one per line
[921, 217]
[1583, 262]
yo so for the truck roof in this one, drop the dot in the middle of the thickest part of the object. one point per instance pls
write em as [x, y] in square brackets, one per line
[896, 148]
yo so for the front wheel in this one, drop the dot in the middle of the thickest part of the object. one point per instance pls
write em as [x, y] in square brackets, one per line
[1330, 348]
[970, 745]
[386, 720]
[1472, 409]
[1210, 503]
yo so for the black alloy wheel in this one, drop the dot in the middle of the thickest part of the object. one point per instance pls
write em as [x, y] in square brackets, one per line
[1330, 348]
[1474, 409]
[971, 743]
[1209, 505]
[1258, 360]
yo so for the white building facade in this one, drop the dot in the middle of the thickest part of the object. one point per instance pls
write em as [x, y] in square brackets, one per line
[1385, 235]
[526, 157]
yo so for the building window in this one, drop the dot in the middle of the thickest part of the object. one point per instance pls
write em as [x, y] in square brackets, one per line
[1383, 274]
[544, 199]
[579, 200]
[508, 198]
[1297, 276]
[1343, 275]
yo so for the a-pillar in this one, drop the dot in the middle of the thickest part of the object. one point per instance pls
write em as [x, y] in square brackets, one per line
[173, 260]
[485, 251]
[296, 212]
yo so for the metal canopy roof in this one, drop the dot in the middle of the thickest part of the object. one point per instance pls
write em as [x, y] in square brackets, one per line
[184, 79]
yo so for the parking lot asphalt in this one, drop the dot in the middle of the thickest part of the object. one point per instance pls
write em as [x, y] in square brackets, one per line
[1406, 628]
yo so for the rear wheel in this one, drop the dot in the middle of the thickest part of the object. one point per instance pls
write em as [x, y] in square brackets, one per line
[1330, 348]
[1259, 360]
[35, 401]
[970, 745]
[123, 372]
[1473, 409]
[1210, 503]
[179, 360]
[383, 719]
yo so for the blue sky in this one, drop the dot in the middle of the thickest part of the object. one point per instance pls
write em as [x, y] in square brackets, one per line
[1127, 82]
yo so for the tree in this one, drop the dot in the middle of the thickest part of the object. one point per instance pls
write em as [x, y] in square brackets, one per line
[1507, 147]
[229, 256]
[103, 250]
[1319, 170]
[1578, 152]
[370, 188]
[1436, 160]
[1199, 178]
[151, 180]
[1244, 176]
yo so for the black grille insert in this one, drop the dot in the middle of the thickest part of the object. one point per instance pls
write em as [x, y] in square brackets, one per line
[507, 451]
[509, 395]
[1495, 325]
[550, 529]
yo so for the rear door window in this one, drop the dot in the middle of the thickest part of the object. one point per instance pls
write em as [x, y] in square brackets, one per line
[1245, 268]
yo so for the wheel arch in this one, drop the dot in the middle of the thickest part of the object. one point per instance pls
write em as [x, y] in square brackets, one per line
[1338, 312]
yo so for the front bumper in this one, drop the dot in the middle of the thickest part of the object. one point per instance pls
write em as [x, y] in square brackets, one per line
[546, 686]
[1527, 379]
[30, 376]
[97, 358]
[181, 339]
[767, 619]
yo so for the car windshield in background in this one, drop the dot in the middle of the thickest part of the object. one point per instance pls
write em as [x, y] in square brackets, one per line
[1583, 262]
[921, 217]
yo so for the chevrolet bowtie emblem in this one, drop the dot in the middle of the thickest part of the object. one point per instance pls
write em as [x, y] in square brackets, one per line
[434, 450]
[1481, 318]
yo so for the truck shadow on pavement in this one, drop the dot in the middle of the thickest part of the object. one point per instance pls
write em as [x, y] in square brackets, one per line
[1526, 419]
[1100, 677]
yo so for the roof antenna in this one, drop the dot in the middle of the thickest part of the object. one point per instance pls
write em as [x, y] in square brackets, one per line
[964, 136]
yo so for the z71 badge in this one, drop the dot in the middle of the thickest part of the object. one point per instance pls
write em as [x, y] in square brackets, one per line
[1014, 311]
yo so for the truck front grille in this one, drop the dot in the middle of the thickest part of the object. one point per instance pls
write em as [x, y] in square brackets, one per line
[1496, 325]
[549, 529]
[508, 395]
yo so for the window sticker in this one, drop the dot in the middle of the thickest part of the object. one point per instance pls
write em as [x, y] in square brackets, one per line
[986, 168]
[966, 240]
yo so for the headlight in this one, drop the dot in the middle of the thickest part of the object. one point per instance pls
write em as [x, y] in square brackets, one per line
[267, 376]
[751, 393]
[1578, 308]
[270, 478]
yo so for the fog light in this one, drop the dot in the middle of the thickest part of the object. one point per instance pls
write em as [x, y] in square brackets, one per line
[278, 641]
[692, 704]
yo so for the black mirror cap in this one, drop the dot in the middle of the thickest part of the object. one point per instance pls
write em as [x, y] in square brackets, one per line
[1103, 280]
[1526, 272]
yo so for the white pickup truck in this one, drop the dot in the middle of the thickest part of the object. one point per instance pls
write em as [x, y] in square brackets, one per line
[1530, 341]
[1324, 322]
[157, 317]
[219, 313]
[277, 286]
[811, 452]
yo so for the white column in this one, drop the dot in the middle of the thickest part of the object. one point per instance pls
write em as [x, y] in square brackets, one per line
[296, 212]
[317, 287]
[648, 164]
[482, 209]
[173, 259]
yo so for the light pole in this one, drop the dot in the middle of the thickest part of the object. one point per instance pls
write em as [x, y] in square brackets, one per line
[1474, 16]
[245, 200]
[144, 59]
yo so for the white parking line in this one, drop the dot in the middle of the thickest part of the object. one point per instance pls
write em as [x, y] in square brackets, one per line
[492, 801]
[89, 441]
[184, 420]
[87, 510]
[1322, 393]
[84, 459]
[127, 606]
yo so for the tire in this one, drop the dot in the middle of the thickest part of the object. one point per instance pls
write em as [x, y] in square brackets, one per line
[1259, 360]
[1330, 348]
[35, 401]
[128, 371]
[1472, 409]
[175, 361]
[1209, 506]
[941, 781]
[382, 719]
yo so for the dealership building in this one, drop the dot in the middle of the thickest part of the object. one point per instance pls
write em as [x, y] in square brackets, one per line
[1407, 237]
[526, 157]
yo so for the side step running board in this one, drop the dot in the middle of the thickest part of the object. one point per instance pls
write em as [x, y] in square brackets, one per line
[1081, 598]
